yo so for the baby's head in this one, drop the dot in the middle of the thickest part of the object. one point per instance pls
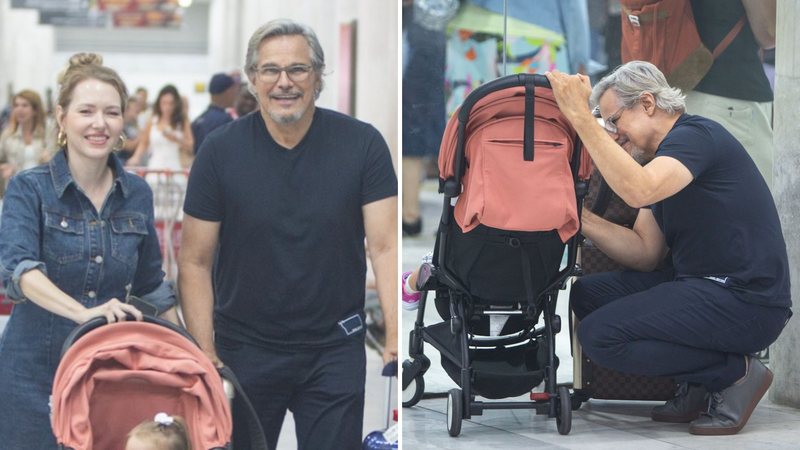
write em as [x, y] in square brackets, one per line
[164, 432]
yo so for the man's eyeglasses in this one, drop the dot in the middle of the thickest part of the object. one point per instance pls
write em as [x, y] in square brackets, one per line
[297, 73]
[609, 124]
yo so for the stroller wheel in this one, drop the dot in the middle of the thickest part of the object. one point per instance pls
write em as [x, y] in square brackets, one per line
[455, 412]
[564, 410]
[578, 399]
[413, 393]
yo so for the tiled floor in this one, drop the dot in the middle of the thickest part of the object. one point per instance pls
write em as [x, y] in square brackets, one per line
[596, 425]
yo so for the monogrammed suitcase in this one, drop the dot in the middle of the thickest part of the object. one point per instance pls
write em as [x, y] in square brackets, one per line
[591, 380]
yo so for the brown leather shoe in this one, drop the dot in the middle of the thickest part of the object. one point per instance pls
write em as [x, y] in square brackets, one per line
[690, 400]
[730, 408]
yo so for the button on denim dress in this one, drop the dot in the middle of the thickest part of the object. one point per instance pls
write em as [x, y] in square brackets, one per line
[50, 225]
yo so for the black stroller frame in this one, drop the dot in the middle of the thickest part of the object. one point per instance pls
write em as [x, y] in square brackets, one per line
[556, 400]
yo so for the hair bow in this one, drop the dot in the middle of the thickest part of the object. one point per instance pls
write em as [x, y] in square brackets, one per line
[163, 419]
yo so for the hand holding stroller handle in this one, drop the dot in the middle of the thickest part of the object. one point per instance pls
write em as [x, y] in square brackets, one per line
[96, 322]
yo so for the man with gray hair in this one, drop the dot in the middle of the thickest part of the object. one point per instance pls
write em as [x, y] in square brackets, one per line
[272, 264]
[726, 293]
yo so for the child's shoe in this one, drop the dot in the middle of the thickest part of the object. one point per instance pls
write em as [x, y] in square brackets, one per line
[410, 299]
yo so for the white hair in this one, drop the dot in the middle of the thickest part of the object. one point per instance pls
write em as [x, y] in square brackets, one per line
[630, 80]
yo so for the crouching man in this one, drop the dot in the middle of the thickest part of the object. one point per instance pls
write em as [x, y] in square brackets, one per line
[726, 294]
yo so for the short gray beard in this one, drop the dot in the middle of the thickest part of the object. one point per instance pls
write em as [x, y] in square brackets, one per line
[286, 119]
[640, 155]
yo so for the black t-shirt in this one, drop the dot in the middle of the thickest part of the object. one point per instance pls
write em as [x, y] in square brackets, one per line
[737, 72]
[724, 225]
[291, 261]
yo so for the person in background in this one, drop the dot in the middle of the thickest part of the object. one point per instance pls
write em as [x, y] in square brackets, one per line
[5, 115]
[25, 143]
[144, 110]
[272, 263]
[245, 101]
[166, 141]
[77, 240]
[423, 98]
[741, 103]
[224, 90]
[130, 129]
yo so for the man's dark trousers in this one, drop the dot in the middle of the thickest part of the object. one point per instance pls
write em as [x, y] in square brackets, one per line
[323, 388]
[692, 329]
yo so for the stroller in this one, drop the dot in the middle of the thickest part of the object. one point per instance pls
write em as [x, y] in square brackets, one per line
[518, 171]
[112, 377]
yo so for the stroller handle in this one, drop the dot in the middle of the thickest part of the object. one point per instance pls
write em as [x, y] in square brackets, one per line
[527, 80]
[498, 84]
[97, 322]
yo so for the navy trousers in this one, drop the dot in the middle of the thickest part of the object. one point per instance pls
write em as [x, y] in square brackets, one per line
[691, 329]
[323, 388]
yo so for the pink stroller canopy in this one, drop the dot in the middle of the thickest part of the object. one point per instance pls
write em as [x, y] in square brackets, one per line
[501, 190]
[118, 375]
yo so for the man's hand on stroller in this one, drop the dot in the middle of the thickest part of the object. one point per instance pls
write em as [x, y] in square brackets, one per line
[572, 94]
[113, 310]
[212, 355]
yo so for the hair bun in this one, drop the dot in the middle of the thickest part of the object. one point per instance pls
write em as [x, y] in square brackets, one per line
[78, 61]
[85, 59]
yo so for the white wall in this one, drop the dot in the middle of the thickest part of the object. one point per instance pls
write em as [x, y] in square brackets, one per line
[26, 50]
[378, 71]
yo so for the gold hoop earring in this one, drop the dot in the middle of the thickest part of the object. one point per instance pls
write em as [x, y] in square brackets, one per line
[120, 143]
[61, 140]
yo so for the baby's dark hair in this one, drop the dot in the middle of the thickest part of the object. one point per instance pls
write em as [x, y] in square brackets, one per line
[164, 432]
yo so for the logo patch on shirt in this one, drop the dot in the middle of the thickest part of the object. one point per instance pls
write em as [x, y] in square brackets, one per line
[720, 280]
[352, 324]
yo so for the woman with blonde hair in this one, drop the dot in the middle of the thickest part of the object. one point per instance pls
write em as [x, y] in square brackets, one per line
[77, 241]
[25, 143]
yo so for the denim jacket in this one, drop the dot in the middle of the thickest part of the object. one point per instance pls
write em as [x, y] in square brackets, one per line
[50, 224]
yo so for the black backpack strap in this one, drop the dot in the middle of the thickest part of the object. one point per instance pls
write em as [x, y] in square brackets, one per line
[530, 114]
[527, 276]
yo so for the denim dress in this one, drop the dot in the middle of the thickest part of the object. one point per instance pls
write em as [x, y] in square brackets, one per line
[49, 224]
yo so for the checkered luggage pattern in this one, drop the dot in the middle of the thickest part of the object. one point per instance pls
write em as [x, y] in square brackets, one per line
[595, 381]
[599, 382]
